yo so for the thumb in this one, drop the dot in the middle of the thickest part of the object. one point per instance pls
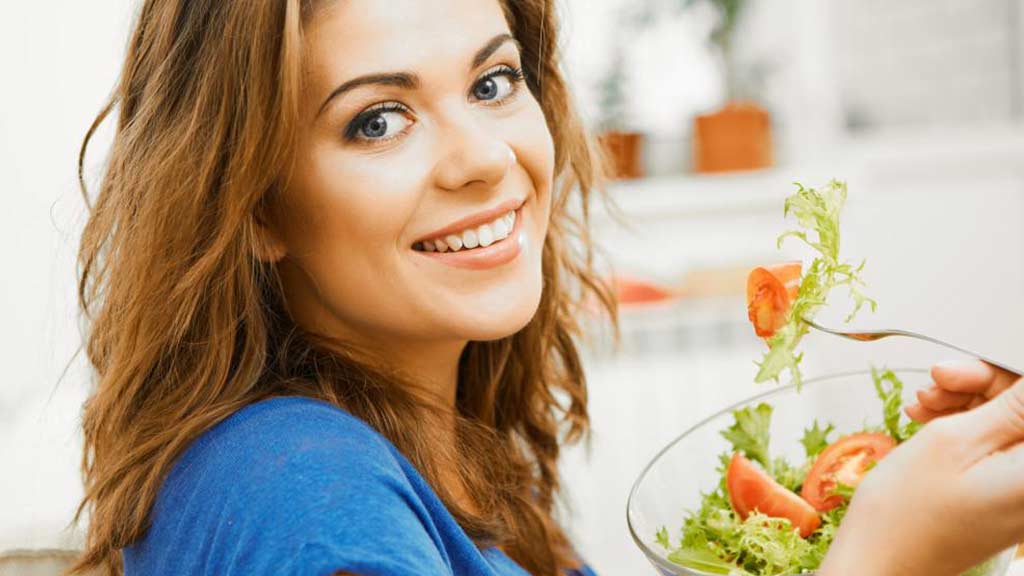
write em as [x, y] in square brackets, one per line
[997, 424]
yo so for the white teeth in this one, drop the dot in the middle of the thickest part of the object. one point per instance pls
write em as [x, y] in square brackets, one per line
[500, 228]
[454, 242]
[483, 236]
[486, 235]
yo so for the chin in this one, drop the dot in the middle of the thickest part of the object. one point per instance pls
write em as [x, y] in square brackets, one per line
[499, 315]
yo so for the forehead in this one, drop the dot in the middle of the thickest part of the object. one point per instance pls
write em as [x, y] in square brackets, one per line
[347, 38]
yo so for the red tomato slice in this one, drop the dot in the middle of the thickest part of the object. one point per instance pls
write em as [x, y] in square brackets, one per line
[845, 460]
[750, 488]
[770, 292]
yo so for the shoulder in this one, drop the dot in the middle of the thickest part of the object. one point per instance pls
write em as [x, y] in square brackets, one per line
[292, 457]
[290, 480]
[271, 423]
[290, 435]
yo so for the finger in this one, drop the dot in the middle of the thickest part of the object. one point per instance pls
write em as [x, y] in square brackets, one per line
[976, 401]
[922, 414]
[940, 399]
[972, 377]
[995, 424]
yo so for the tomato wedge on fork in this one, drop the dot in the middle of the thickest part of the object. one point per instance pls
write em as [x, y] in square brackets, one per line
[770, 294]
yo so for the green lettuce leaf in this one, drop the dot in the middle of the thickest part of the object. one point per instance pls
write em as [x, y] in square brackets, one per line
[889, 388]
[792, 477]
[662, 538]
[816, 439]
[701, 559]
[749, 433]
[844, 490]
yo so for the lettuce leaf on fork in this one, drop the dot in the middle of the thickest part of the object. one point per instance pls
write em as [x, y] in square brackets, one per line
[817, 215]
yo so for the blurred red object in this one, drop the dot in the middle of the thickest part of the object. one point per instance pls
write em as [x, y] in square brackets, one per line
[635, 291]
[737, 137]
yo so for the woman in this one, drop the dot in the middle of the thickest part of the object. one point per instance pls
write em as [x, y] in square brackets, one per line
[332, 278]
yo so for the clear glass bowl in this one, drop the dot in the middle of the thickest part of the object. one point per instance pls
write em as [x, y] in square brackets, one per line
[671, 485]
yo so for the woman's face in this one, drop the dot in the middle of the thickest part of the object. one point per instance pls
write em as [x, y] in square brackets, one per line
[422, 190]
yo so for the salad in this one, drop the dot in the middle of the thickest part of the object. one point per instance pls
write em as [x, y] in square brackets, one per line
[769, 516]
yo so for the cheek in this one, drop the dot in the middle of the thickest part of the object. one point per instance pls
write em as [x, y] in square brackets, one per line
[342, 203]
[343, 225]
[536, 151]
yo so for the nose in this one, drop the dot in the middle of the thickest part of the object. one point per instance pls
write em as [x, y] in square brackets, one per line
[472, 154]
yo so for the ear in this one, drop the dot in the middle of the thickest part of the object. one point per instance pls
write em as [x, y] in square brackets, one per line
[267, 245]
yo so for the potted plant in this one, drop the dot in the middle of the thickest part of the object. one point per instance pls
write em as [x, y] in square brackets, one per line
[621, 146]
[738, 135]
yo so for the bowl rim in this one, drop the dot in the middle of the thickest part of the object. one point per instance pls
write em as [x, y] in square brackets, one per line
[658, 561]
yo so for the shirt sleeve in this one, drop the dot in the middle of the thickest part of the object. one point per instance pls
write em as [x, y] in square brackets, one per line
[306, 493]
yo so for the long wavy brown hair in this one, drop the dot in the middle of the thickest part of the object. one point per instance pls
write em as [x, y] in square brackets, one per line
[185, 325]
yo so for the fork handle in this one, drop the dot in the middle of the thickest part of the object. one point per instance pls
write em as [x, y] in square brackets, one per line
[984, 359]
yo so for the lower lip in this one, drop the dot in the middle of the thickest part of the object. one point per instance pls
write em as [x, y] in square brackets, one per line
[501, 252]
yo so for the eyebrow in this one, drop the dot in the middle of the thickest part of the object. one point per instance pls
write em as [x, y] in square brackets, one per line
[410, 81]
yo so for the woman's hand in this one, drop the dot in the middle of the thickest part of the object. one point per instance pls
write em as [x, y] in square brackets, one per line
[951, 496]
[959, 386]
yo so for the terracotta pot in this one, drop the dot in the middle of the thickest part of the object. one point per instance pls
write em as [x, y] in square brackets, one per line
[736, 137]
[622, 151]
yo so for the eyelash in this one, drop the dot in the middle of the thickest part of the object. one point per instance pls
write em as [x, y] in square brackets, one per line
[352, 131]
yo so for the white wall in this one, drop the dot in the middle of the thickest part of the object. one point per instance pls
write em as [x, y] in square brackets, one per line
[59, 61]
[1019, 39]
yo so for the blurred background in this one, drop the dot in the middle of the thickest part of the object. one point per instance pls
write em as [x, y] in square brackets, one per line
[711, 110]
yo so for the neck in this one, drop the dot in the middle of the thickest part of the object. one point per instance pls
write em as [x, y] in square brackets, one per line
[432, 365]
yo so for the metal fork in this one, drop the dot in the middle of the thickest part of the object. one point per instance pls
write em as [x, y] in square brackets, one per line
[872, 335]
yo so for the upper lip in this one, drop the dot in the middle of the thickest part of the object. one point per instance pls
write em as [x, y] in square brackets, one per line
[474, 220]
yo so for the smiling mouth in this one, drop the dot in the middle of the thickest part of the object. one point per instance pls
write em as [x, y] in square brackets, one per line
[473, 238]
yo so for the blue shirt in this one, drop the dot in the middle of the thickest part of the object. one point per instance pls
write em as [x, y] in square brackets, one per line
[297, 486]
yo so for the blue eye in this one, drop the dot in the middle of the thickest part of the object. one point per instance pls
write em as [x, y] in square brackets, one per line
[486, 89]
[384, 122]
[498, 85]
[378, 124]
[376, 127]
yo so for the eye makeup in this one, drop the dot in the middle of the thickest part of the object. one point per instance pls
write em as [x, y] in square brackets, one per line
[355, 131]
